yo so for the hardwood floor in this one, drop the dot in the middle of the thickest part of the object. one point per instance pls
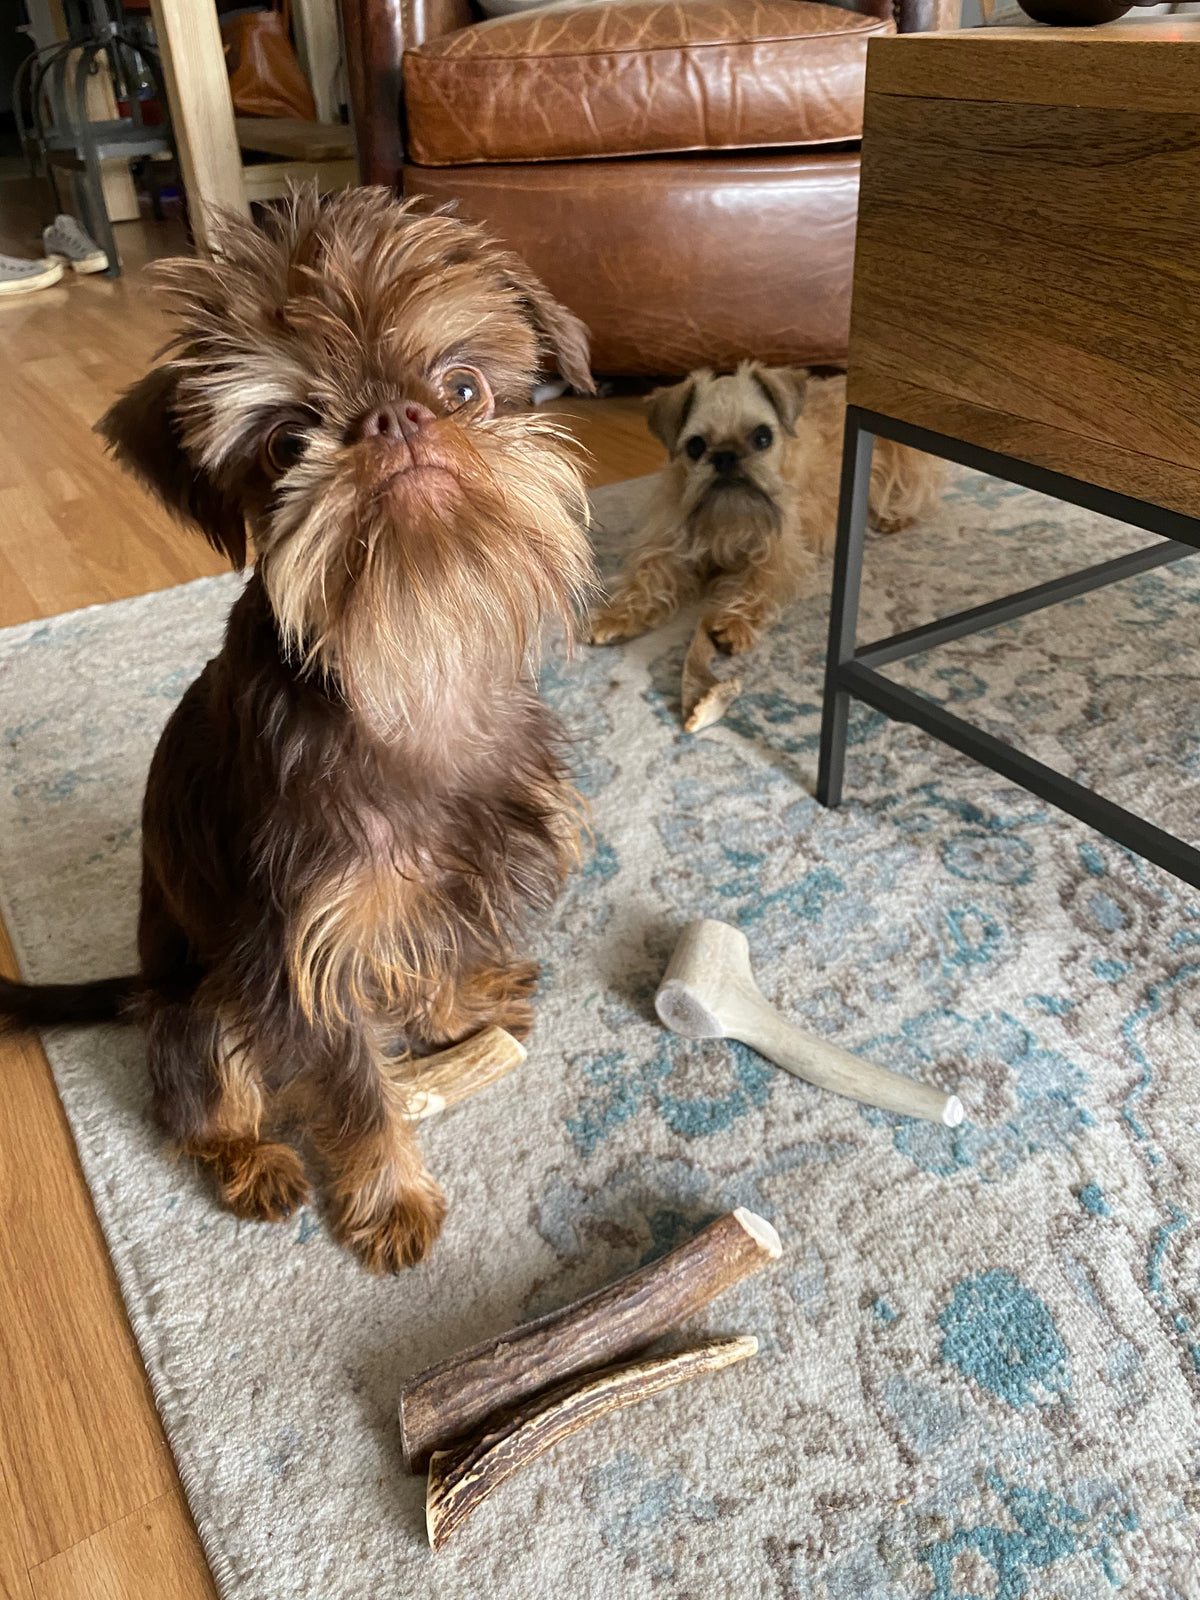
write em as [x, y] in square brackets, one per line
[90, 1503]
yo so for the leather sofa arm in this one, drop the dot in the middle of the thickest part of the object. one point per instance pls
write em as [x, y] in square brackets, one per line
[377, 33]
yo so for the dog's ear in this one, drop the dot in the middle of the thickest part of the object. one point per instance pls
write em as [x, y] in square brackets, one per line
[785, 388]
[561, 330]
[670, 408]
[143, 431]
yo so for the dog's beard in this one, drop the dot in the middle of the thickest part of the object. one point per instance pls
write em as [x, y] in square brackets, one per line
[734, 521]
[424, 595]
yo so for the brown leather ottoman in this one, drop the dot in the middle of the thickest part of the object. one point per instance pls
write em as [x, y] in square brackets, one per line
[684, 176]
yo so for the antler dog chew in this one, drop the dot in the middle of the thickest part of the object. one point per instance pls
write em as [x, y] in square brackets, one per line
[461, 1480]
[451, 1400]
[443, 1079]
[709, 992]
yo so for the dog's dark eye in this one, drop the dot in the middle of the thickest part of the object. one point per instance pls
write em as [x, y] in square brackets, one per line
[761, 438]
[285, 446]
[465, 389]
[695, 447]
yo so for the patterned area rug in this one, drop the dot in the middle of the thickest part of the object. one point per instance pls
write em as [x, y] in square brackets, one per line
[979, 1372]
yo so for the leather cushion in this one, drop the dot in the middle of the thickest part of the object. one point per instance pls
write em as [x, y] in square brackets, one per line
[683, 262]
[639, 77]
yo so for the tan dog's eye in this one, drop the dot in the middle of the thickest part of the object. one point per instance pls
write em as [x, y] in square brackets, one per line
[284, 447]
[466, 390]
[762, 438]
[695, 447]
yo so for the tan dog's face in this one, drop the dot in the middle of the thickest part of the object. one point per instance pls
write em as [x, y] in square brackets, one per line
[338, 383]
[727, 435]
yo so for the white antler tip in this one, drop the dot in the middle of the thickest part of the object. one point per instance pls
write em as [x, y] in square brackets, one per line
[761, 1231]
[954, 1113]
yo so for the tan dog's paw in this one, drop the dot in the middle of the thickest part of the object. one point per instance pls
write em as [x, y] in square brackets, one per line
[733, 636]
[609, 626]
[892, 524]
[262, 1182]
[403, 1235]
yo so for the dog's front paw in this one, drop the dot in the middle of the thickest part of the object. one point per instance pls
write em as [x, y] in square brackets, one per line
[403, 1235]
[514, 1001]
[604, 628]
[262, 1182]
[733, 636]
[891, 524]
[609, 625]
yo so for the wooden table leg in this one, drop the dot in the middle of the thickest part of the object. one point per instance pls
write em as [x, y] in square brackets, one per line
[189, 41]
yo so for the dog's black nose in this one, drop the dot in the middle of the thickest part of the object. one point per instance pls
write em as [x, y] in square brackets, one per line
[403, 420]
[724, 460]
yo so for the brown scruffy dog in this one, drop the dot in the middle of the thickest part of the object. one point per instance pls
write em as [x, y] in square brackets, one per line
[748, 501]
[359, 798]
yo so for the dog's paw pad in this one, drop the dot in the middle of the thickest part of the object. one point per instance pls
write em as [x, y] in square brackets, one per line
[264, 1182]
[605, 628]
[403, 1236]
[733, 637]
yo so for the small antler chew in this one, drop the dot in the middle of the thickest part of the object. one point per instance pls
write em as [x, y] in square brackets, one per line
[440, 1080]
[709, 992]
[705, 697]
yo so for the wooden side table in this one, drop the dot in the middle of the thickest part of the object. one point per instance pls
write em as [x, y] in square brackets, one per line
[1026, 303]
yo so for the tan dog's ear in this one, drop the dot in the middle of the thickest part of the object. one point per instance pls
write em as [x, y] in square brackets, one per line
[671, 407]
[785, 388]
[562, 331]
[143, 431]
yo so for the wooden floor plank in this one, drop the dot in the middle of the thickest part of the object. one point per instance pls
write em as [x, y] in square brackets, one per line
[14, 1572]
[80, 1446]
[145, 1553]
[93, 1504]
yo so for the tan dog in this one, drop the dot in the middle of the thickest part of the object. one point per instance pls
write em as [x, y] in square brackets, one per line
[749, 500]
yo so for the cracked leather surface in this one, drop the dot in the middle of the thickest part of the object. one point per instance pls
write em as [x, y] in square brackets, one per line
[639, 77]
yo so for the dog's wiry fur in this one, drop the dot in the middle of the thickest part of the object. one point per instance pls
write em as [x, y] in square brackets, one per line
[360, 797]
[748, 501]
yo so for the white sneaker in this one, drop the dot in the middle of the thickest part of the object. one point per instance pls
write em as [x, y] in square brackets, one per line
[65, 239]
[19, 277]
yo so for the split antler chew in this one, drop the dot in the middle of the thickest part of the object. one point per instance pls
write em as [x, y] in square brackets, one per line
[437, 1081]
[451, 1400]
[709, 992]
[705, 697]
[461, 1480]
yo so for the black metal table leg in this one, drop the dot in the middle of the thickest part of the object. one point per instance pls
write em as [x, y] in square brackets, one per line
[851, 672]
[843, 616]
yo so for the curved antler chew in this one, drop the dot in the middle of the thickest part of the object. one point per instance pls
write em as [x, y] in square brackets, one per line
[460, 1480]
[709, 992]
[705, 697]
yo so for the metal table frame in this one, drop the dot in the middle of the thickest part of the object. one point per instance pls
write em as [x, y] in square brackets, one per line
[853, 670]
